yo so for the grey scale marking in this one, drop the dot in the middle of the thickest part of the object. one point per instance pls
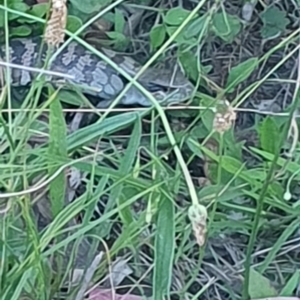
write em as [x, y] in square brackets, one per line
[69, 56]
[108, 89]
[101, 79]
[100, 76]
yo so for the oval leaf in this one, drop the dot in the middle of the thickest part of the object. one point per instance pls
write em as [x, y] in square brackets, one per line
[39, 10]
[241, 72]
[176, 16]
[226, 26]
[20, 31]
[195, 27]
[73, 23]
[90, 6]
[119, 21]
[157, 36]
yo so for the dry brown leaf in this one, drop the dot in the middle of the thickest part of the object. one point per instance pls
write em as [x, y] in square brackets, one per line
[99, 294]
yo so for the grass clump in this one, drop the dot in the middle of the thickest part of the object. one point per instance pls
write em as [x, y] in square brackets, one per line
[199, 200]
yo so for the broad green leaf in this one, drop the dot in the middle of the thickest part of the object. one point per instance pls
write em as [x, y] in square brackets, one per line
[90, 6]
[85, 135]
[269, 135]
[73, 23]
[70, 97]
[199, 132]
[18, 6]
[119, 21]
[180, 38]
[164, 249]
[257, 174]
[232, 165]
[157, 36]
[259, 286]
[57, 147]
[292, 284]
[189, 63]
[126, 167]
[207, 100]
[226, 26]
[73, 10]
[20, 31]
[275, 22]
[39, 10]
[241, 72]
[175, 16]
[276, 189]
[194, 148]
[207, 118]
[196, 27]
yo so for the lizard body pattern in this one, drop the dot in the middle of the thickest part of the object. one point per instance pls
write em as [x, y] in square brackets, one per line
[98, 77]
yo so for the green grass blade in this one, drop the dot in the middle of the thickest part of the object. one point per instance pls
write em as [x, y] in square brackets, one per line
[126, 166]
[21, 285]
[87, 134]
[164, 249]
[58, 148]
[277, 246]
[291, 285]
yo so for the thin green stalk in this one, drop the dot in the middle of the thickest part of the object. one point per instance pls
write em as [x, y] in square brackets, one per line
[260, 201]
[219, 180]
[6, 31]
[212, 214]
[251, 88]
